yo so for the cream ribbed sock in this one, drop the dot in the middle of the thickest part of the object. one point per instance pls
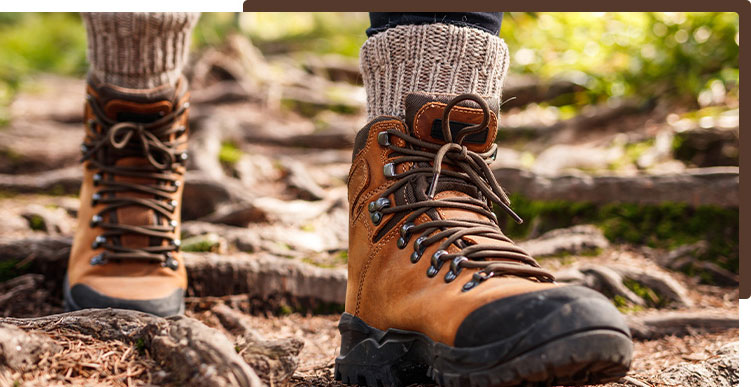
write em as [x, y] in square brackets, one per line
[440, 58]
[138, 50]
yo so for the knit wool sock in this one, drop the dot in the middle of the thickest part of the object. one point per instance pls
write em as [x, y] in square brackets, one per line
[438, 58]
[138, 50]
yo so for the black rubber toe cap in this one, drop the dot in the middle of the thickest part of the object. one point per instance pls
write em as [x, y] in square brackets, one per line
[533, 318]
[84, 297]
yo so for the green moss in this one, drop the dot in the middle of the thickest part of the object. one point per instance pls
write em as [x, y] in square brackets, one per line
[140, 345]
[208, 242]
[647, 294]
[284, 310]
[666, 225]
[12, 268]
[36, 222]
[229, 154]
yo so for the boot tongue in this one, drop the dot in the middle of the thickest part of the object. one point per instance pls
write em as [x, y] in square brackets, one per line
[135, 105]
[424, 117]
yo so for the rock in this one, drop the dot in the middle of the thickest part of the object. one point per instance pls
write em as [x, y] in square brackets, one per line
[684, 258]
[301, 182]
[20, 350]
[669, 289]
[273, 360]
[573, 240]
[609, 282]
[210, 242]
[527, 89]
[720, 370]
[237, 214]
[708, 147]
[661, 289]
[259, 274]
[705, 186]
[50, 220]
[558, 158]
[56, 181]
[203, 195]
[50, 98]
[263, 275]
[661, 151]
[656, 325]
[191, 352]
[29, 295]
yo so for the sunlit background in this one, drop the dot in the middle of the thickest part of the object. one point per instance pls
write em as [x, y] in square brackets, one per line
[637, 93]
[692, 57]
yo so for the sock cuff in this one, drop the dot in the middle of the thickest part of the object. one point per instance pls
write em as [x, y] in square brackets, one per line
[439, 58]
[138, 50]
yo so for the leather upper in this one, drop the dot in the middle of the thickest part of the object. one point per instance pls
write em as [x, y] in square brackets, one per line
[384, 288]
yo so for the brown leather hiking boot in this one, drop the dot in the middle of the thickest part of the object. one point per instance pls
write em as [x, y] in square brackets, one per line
[126, 249]
[436, 291]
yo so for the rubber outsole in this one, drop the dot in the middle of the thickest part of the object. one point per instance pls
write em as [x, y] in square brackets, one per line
[371, 357]
[70, 305]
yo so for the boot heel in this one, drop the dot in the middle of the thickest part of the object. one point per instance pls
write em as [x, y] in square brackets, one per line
[366, 361]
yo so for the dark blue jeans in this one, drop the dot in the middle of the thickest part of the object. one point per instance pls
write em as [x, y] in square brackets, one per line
[486, 21]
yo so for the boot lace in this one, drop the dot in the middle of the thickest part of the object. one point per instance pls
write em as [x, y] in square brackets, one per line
[466, 166]
[151, 141]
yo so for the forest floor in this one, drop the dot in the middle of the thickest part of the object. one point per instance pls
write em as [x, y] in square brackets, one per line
[265, 228]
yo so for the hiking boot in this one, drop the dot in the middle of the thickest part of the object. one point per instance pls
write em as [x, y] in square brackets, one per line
[125, 252]
[436, 291]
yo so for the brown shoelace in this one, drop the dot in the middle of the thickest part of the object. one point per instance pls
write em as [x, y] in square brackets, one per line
[113, 140]
[468, 167]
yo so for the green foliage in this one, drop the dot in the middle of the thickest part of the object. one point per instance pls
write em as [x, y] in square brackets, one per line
[630, 53]
[666, 225]
[321, 32]
[38, 42]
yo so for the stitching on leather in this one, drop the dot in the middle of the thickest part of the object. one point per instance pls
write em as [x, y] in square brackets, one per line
[362, 167]
[364, 272]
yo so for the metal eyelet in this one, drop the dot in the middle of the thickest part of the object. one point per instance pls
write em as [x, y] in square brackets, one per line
[96, 260]
[376, 218]
[95, 198]
[173, 224]
[494, 155]
[454, 268]
[174, 204]
[97, 178]
[84, 148]
[95, 220]
[177, 183]
[405, 229]
[378, 204]
[176, 242]
[170, 262]
[383, 139]
[477, 278]
[389, 170]
[436, 263]
[401, 243]
[98, 242]
[184, 156]
[417, 254]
